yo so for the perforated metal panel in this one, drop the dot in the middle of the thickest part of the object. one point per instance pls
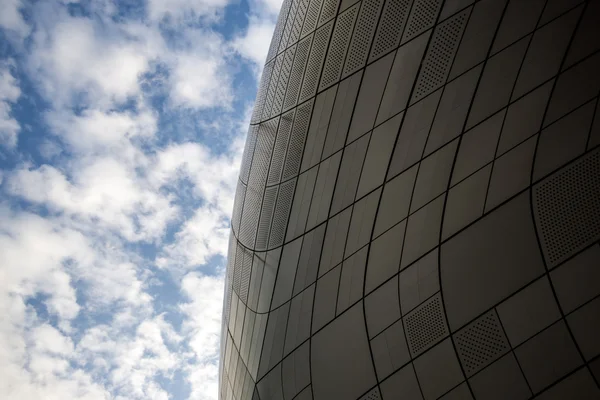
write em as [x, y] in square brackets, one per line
[238, 203]
[245, 275]
[567, 208]
[281, 20]
[363, 35]
[266, 217]
[312, 15]
[297, 138]
[422, 17]
[286, 69]
[315, 62]
[270, 97]
[481, 342]
[248, 153]
[391, 26]
[288, 26]
[440, 55]
[298, 21]
[338, 47]
[262, 154]
[237, 269]
[425, 325]
[297, 73]
[372, 395]
[282, 212]
[250, 214]
[261, 96]
[329, 10]
[280, 148]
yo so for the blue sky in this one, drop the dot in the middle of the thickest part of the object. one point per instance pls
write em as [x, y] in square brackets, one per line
[121, 131]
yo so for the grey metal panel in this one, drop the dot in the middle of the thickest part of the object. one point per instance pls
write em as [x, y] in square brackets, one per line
[501, 380]
[382, 307]
[438, 370]
[325, 299]
[328, 11]
[433, 176]
[318, 128]
[402, 385]
[389, 350]
[289, 26]
[369, 97]
[378, 155]
[335, 241]
[342, 369]
[574, 87]
[312, 15]
[393, 20]
[297, 74]
[351, 280]
[401, 78]
[349, 174]
[477, 147]
[298, 329]
[341, 114]
[478, 35]
[480, 343]
[367, 230]
[419, 282]
[295, 149]
[422, 17]
[524, 118]
[284, 75]
[545, 52]
[469, 289]
[361, 224]
[363, 36]
[300, 206]
[309, 259]
[281, 22]
[440, 55]
[548, 356]
[567, 210]
[577, 280]
[324, 186]
[519, 19]
[315, 62]
[338, 47]
[585, 324]
[496, 83]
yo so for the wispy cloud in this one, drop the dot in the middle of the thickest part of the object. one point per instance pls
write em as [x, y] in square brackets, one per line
[122, 130]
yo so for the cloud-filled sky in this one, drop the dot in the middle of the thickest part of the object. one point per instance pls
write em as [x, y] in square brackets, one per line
[121, 131]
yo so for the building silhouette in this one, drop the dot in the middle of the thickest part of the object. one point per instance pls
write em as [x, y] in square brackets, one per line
[418, 209]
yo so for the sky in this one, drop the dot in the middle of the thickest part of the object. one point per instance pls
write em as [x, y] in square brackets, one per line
[121, 131]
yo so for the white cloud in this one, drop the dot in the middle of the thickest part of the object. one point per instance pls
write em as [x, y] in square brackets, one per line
[184, 9]
[203, 326]
[254, 44]
[11, 18]
[81, 236]
[9, 93]
[75, 60]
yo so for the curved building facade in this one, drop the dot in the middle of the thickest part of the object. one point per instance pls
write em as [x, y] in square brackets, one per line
[418, 209]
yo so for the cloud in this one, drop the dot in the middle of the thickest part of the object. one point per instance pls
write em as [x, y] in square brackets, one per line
[78, 61]
[11, 18]
[203, 326]
[254, 44]
[112, 242]
[9, 94]
[184, 9]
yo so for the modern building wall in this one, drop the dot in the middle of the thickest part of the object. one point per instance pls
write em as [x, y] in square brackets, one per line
[418, 209]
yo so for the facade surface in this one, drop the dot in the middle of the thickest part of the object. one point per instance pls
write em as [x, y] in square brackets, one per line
[418, 209]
